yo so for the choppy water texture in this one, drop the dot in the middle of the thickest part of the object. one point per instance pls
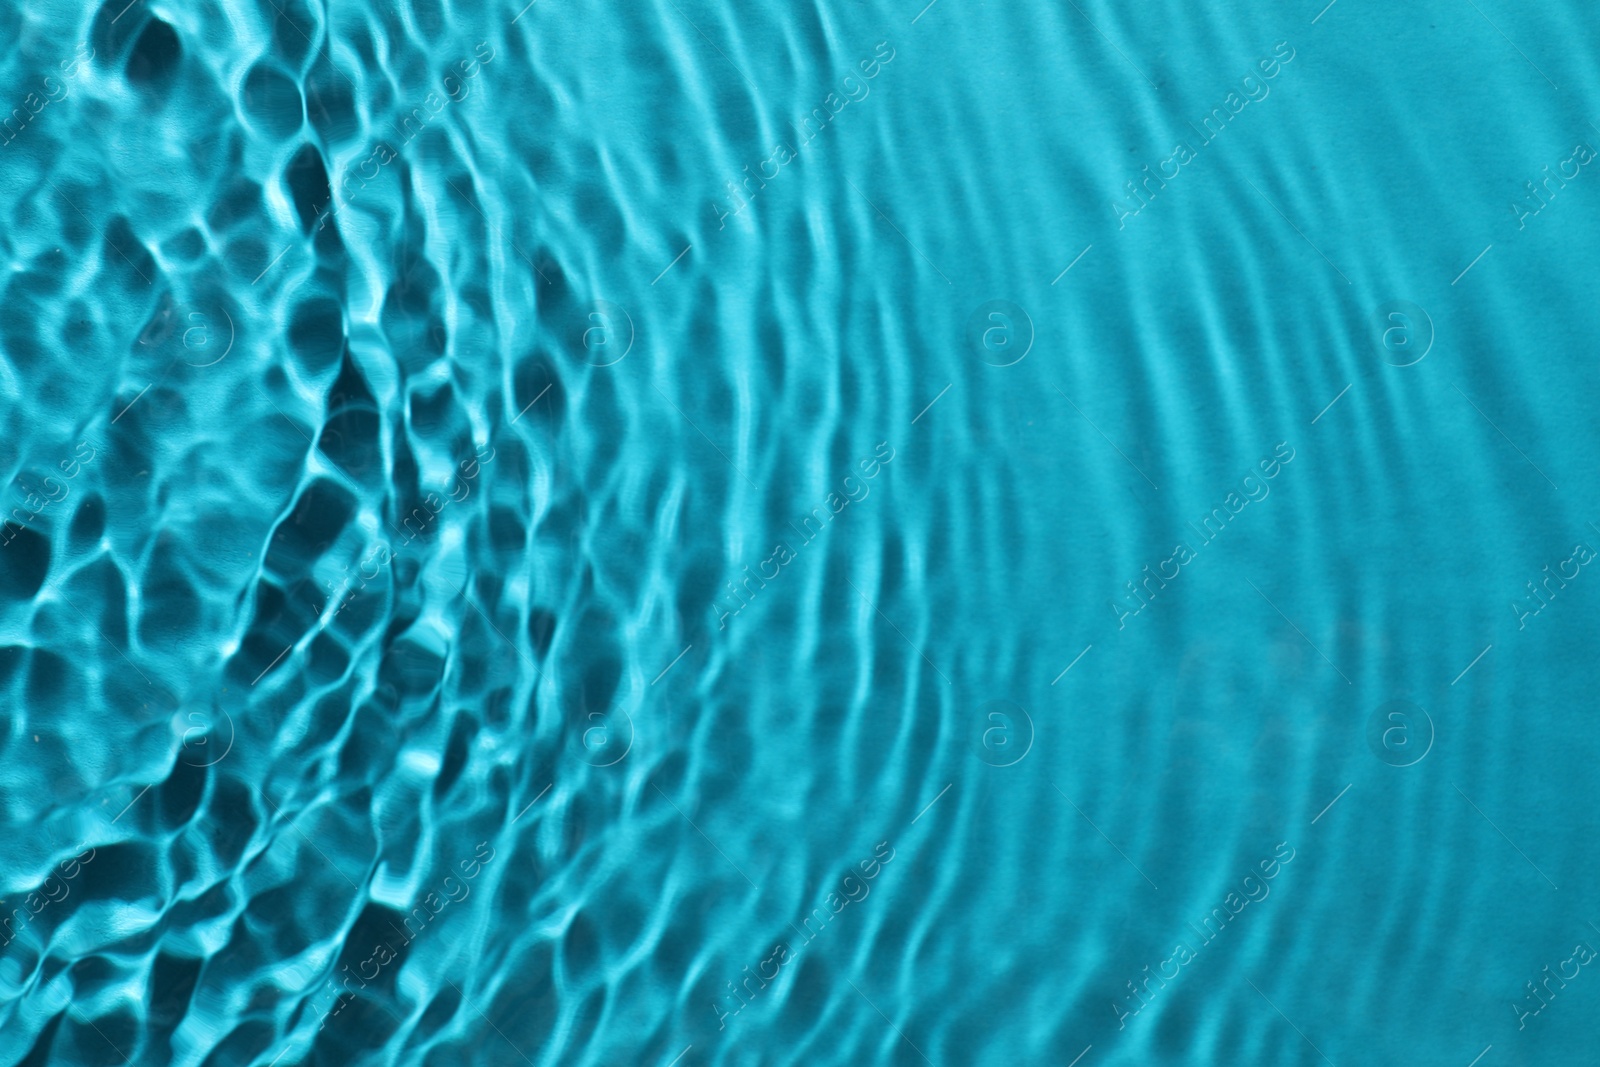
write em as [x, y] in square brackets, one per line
[857, 533]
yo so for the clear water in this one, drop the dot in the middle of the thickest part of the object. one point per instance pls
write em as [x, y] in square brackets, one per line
[862, 533]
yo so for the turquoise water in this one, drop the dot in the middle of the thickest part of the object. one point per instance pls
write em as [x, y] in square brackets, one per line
[865, 533]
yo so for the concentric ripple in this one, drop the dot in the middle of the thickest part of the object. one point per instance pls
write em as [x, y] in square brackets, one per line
[874, 532]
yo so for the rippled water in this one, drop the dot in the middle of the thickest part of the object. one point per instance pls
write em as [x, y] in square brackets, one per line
[877, 532]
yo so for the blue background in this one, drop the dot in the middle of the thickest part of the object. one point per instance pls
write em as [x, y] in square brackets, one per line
[437, 410]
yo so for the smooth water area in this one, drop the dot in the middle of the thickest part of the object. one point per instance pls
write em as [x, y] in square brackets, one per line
[869, 532]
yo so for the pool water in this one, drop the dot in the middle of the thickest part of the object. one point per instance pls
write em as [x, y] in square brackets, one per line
[882, 532]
